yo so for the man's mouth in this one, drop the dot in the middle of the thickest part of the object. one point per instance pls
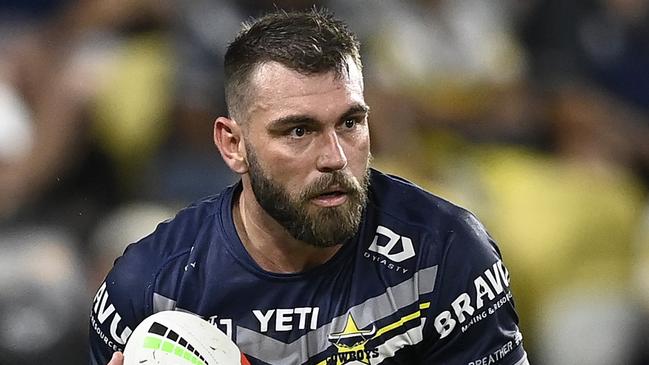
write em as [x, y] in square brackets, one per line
[330, 198]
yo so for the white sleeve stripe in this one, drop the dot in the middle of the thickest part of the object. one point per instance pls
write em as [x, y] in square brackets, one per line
[523, 361]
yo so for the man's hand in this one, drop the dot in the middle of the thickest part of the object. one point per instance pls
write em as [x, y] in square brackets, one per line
[117, 359]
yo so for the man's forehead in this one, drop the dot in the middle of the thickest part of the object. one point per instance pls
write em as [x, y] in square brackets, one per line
[275, 76]
[274, 85]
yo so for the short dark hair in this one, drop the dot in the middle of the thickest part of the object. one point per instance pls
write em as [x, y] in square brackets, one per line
[309, 42]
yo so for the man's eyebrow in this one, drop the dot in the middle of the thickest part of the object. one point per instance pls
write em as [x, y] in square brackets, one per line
[356, 109]
[292, 120]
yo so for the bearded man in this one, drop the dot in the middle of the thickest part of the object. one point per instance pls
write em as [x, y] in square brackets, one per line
[314, 257]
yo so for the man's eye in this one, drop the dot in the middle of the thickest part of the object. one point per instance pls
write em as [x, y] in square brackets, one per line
[350, 123]
[298, 132]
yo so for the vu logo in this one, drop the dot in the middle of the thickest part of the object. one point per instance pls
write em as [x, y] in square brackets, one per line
[389, 250]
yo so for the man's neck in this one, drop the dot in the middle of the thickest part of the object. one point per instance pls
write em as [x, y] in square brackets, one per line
[269, 244]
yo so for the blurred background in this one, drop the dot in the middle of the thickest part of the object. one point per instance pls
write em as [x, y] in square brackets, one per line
[532, 114]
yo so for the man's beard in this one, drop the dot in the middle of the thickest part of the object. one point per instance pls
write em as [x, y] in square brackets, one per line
[306, 222]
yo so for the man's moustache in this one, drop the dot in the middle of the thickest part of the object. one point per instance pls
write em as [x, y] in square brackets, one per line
[324, 184]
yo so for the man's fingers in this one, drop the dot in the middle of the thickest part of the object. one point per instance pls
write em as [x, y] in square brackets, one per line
[117, 359]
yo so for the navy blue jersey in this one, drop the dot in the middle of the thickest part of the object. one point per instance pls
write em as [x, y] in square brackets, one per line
[420, 283]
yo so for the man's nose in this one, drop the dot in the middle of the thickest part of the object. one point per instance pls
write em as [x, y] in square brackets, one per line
[332, 157]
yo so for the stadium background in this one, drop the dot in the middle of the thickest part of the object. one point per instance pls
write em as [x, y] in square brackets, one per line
[534, 115]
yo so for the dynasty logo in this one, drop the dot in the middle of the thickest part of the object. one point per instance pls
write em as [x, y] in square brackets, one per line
[351, 344]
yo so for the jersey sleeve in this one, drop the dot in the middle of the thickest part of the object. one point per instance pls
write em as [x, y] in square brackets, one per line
[120, 304]
[471, 318]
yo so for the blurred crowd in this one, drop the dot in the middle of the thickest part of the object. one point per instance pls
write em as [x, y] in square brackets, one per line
[532, 114]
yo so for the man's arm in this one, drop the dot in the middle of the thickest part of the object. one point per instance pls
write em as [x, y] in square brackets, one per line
[121, 303]
[472, 319]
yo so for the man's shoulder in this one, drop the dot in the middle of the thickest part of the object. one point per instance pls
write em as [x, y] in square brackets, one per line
[403, 217]
[396, 196]
[196, 224]
[155, 262]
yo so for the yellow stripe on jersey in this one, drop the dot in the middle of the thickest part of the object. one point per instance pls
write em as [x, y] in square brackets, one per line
[403, 320]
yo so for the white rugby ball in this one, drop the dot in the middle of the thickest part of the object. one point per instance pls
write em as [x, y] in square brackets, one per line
[179, 338]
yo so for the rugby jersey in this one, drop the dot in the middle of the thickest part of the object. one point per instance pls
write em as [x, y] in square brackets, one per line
[421, 282]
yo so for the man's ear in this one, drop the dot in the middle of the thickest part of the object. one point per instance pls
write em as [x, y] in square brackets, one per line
[228, 139]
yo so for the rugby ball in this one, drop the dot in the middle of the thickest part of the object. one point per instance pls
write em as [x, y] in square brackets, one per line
[179, 338]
